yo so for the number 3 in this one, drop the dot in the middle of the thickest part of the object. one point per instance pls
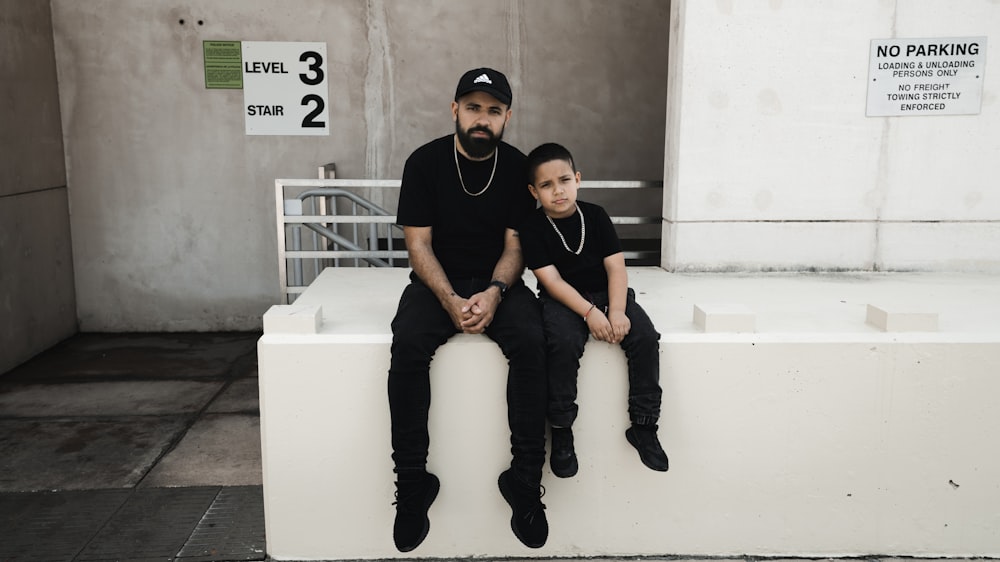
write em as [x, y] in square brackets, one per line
[317, 62]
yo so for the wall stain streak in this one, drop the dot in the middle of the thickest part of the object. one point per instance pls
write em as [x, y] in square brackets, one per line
[515, 31]
[379, 92]
[881, 188]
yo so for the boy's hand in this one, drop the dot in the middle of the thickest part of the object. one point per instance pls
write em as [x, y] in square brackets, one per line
[620, 326]
[599, 325]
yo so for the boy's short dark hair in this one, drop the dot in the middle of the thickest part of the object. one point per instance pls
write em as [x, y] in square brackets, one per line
[546, 153]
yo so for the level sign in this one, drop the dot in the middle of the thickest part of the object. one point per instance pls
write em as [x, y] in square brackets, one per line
[285, 88]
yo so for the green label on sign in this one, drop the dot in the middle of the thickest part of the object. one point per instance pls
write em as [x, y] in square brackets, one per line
[223, 65]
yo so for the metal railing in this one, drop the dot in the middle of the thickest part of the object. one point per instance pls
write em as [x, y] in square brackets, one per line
[325, 223]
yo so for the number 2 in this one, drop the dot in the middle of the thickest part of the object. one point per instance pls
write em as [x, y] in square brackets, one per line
[309, 120]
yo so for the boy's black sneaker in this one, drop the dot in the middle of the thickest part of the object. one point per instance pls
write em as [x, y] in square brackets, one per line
[563, 457]
[414, 496]
[528, 519]
[643, 438]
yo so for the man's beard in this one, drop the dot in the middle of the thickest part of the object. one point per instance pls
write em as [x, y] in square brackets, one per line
[477, 148]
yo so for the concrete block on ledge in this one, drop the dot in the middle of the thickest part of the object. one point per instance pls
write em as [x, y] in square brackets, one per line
[900, 320]
[724, 318]
[293, 319]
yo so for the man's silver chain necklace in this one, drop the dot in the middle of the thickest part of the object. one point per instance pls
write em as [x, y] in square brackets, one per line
[496, 156]
[583, 232]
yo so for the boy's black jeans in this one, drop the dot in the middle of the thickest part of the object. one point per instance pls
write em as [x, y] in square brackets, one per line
[567, 333]
[421, 325]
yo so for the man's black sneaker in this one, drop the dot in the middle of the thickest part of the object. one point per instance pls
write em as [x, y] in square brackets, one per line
[414, 496]
[643, 438]
[563, 457]
[528, 519]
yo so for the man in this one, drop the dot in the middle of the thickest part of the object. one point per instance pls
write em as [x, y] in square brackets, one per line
[461, 198]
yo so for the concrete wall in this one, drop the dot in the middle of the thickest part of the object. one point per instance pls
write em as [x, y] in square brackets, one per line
[173, 212]
[37, 302]
[772, 164]
[810, 433]
[769, 160]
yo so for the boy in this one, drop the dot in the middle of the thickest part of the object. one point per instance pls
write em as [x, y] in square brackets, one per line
[572, 248]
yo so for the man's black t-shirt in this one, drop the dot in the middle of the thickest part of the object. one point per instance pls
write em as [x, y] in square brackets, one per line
[467, 231]
[585, 272]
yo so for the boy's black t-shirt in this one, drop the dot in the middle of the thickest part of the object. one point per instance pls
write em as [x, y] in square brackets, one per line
[585, 272]
[467, 231]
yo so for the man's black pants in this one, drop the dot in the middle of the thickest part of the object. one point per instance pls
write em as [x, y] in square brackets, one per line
[421, 325]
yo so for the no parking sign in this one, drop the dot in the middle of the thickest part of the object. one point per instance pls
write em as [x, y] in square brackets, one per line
[935, 76]
[285, 88]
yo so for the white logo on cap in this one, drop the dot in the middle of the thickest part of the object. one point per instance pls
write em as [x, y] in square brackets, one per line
[482, 78]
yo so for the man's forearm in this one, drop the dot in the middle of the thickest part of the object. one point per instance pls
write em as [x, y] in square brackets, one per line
[509, 267]
[424, 263]
[427, 267]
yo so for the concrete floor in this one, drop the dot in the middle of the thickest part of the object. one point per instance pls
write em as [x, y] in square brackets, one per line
[133, 447]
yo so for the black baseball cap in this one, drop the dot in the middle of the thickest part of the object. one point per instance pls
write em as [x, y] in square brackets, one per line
[486, 80]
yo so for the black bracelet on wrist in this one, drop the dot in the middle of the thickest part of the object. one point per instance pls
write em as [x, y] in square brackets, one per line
[499, 285]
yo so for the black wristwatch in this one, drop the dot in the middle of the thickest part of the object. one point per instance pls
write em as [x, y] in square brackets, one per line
[499, 285]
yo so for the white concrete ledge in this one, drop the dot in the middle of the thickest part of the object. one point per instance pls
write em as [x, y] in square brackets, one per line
[293, 319]
[817, 435]
[724, 318]
[895, 320]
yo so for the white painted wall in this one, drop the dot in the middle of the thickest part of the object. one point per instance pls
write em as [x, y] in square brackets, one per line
[766, 124]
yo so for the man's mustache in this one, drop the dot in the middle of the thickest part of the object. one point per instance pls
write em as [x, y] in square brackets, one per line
[481, 129]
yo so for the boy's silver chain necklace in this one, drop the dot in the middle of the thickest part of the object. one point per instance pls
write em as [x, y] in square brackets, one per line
[583, 232]
[496, 156]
